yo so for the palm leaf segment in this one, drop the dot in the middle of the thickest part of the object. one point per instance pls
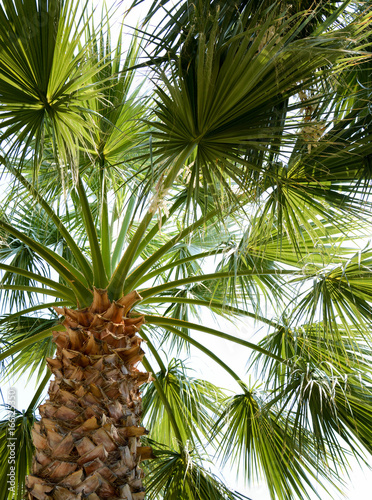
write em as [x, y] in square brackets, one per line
[45, 83]
[121, 247]
[228, 102]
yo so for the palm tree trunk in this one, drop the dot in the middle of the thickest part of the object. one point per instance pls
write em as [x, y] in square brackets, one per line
[87, 441]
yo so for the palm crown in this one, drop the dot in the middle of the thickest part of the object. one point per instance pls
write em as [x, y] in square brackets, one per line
[237, 182]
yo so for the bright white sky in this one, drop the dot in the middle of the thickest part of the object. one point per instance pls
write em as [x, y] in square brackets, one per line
[359, 485]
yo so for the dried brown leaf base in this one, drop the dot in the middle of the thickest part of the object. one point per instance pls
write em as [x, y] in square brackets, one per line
[88, 439]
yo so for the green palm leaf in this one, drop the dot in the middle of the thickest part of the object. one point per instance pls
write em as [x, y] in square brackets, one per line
[341, 294]
[16, 459]
[331, 404]
[193, 402]
[254, 438]
[32, 358]
[46, 81]
[18, 466]
[239, 75]
[230, 175]
[180, 475]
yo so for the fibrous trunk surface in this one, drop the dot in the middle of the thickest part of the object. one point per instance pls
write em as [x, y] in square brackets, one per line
[87, 441]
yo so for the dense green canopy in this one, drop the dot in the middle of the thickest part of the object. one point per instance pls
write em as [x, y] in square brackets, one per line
[217, 159]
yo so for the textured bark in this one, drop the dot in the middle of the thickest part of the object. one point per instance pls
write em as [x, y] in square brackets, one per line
[87, 441]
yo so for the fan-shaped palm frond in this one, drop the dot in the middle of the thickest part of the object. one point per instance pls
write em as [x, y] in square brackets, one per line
[193, 403]
[345, 350]
[46, 80]
[340, 294]
[331, 404]
[32, 358]
[251, 77]
[180, 475]
[262, 444]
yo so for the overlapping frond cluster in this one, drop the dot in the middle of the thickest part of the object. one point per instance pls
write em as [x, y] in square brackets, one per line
[232, 179]
[87, 441]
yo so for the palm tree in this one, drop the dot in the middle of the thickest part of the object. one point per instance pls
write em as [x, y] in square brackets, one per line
[235, 184]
